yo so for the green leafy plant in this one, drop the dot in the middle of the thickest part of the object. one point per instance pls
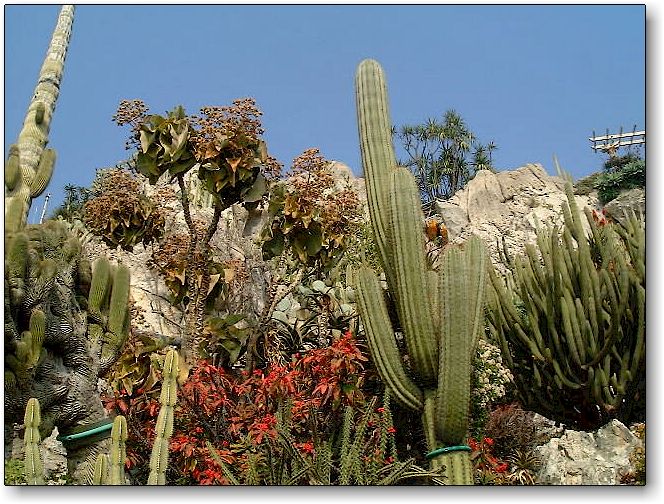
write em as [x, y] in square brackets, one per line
[310, 215]
[629, 176]
[571, 324]
[443, 155]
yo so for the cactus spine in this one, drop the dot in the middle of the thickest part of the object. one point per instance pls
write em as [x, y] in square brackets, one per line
[440, 312]
[30, 166]
[164, 426]
[34, 467]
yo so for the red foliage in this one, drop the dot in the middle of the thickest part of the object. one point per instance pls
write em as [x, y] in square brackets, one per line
[483, 457]
[237, 413]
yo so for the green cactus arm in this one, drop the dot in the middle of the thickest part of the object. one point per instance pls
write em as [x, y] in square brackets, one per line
[34, 467]
[34, 135]
[378, 159]
[99, 287]
[463, 280]
[164, 426]
[410, 274]
[118, 451]
[100, 475]
[43, 173]
[12, 168]
[381, 340]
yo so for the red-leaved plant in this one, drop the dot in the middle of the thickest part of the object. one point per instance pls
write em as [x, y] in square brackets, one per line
[237, 412]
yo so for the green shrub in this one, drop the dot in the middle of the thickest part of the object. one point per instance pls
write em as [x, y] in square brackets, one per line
[14, 472]
[611, 183]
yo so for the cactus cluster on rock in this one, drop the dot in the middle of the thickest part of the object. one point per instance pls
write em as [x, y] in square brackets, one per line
[571, 322]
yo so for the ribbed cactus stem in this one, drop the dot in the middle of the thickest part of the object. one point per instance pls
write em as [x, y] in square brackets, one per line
[410, 275]
[117, 314]
[118, 451]
[382, 342]
[99, 287]
[34, 467]
[440, 315]
[12, 168]
[43, 173]
[100, 475]
[35, 168]
[378, 159]
[164, 426]
[462, 284]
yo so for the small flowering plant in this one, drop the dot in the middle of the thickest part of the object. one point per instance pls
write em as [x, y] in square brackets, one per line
[488, 468]
[490, 382]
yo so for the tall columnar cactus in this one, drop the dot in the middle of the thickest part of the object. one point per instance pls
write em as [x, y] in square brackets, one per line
[164, 426]
[440, 313]
[30, 165]
[118, 451]
[34, 467]
[571, 323]
[109, 468]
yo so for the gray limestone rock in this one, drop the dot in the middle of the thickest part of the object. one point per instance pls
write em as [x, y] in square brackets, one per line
[587, 458]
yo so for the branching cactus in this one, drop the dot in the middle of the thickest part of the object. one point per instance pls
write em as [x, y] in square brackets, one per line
[164, 426]
[440, 313]
[65, 324]
[30, 165]
[571, 324]
[34, 467]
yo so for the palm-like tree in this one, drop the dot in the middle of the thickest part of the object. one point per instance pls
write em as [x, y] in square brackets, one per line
[438, 153]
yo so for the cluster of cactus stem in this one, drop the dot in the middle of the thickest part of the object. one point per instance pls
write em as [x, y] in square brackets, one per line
[109, 467]
[440, 313]
[45, 278]
[571, 320]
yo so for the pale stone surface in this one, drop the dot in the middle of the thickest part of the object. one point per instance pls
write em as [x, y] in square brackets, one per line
[627, 202]
[587, 458]
[510, 205]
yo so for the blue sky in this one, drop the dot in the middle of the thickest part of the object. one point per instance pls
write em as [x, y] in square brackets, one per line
[537, 80]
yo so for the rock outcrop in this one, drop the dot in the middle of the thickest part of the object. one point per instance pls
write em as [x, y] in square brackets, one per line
[625, 203]
[587, 458]
[509, 204]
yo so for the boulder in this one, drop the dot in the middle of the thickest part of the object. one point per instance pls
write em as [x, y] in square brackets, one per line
[507, 206]
[627, 202]
[587, 458]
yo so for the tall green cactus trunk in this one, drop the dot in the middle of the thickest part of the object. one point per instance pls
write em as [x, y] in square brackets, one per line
[440, 312]
[30, 165]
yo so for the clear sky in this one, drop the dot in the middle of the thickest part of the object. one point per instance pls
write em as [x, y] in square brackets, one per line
[535, 79]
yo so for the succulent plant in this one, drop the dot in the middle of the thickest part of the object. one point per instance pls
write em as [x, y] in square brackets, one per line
[65, 324]
[571, 321]
[29, 166]
[440, 313]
